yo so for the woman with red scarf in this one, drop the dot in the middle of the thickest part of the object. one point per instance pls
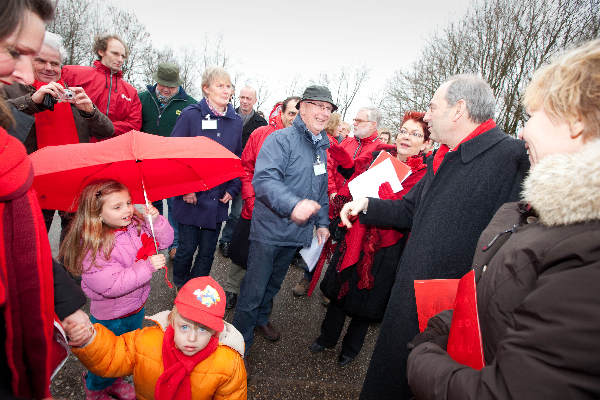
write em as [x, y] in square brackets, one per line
[361, 272]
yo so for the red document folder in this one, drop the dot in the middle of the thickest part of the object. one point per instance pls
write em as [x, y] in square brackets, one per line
[433, 296]
[402, 170]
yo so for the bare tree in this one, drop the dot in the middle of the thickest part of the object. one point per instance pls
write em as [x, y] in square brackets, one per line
[262, 93]
[344, 86]
[502, 40]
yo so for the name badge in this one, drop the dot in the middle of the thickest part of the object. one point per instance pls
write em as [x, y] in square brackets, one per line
[319, 168]
[209, 124]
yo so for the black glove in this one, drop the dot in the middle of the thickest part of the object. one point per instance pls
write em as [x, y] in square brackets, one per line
[345, 172]
[437, 332]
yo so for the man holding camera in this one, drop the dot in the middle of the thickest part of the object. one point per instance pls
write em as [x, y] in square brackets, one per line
[105, 85]
[62, 115]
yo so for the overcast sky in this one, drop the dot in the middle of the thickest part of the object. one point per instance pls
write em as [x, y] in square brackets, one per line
[275, 41]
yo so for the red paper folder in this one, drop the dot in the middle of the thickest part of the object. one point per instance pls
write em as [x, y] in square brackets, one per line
[402, 170]
[436, 295]
[464, 343]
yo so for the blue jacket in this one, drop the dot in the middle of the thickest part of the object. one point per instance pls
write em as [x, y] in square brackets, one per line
[209, 210]
[283, 176]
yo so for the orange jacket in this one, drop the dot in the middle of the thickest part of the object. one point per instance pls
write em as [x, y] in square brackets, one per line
[220, 376]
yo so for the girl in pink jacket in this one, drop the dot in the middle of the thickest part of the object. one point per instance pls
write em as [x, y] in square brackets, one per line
[110, 245]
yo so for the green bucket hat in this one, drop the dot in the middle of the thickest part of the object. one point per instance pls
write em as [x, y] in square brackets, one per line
[167, 75]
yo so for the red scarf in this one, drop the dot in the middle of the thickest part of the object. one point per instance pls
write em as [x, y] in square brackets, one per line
[441, 153]
[56, 127]
[174, 383]
[26, 279]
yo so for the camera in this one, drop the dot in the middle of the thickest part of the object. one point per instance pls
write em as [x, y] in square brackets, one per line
[67, 95]
[49, 101]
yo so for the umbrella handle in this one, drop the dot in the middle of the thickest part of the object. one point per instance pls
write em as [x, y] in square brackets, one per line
[149, 216]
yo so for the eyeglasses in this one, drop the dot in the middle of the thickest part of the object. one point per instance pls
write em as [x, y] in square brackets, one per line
[360, 121]
[323, 107]
[404, 132]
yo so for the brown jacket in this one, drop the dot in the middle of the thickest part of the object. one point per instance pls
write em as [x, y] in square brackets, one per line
[97, 125]
[537, 296]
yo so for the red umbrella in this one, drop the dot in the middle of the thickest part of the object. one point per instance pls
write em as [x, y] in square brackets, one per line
[166, 166]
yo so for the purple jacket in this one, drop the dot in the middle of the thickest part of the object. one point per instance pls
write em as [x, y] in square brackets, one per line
[120, 285]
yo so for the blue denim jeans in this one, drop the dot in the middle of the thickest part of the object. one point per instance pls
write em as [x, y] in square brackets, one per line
[191, 238]
[118, 326]
[267, 267]
[173, 223]
[234, 217]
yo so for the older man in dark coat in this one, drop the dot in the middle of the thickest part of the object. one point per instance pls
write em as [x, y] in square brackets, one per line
[477, 168]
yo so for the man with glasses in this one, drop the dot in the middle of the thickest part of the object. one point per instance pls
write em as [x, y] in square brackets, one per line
[365, 141]
[477, 168]
[290, 184]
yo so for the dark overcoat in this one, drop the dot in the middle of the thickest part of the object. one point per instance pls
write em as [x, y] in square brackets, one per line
[446, 212]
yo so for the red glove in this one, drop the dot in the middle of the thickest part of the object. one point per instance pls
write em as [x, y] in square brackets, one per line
[385, 191]
[340, 155]
[147, 248]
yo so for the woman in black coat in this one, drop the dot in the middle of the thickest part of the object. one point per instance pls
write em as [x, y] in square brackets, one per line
[361, 272]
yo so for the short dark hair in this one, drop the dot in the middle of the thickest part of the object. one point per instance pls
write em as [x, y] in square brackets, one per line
[11, 13]
[101, 44]
[287, 101]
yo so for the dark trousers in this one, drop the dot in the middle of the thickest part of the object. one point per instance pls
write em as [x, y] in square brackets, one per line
[191, 238]
[267, 267]
[332, 326]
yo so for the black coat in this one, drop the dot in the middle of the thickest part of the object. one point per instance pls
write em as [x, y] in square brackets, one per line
[255, 122]
[365, 303]
[446, 213]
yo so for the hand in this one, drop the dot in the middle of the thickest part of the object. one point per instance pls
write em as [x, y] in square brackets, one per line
[226, 198]
[78, 318]
[81, 335]
[158, 261]
[152, 212]
[332, 196]
[304, 210]
[351, 209]
[190, 198]
[80, 100]
[322, 234]
[54, 89]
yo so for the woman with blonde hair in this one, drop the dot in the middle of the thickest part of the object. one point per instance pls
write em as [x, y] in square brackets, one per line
[537, 264]
[201, 214]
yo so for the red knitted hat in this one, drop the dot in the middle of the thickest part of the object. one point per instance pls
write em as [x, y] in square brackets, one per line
[202, 300]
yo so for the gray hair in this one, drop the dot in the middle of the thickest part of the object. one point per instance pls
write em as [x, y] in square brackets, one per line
[55, 42]
[211, 74]
[477, 94]
[373, 114]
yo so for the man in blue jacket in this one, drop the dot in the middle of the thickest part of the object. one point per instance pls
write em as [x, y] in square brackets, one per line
[290, 183]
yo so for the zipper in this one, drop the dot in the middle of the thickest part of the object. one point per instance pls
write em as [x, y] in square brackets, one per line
[160, 113]
[109, 93]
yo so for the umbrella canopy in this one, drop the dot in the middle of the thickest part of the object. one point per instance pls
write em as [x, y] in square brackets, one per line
[167, 166]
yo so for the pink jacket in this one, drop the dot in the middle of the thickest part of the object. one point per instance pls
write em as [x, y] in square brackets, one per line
[121, 284]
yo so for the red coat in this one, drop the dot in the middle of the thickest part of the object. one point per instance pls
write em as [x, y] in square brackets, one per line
[109, 92]
[249, 155]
